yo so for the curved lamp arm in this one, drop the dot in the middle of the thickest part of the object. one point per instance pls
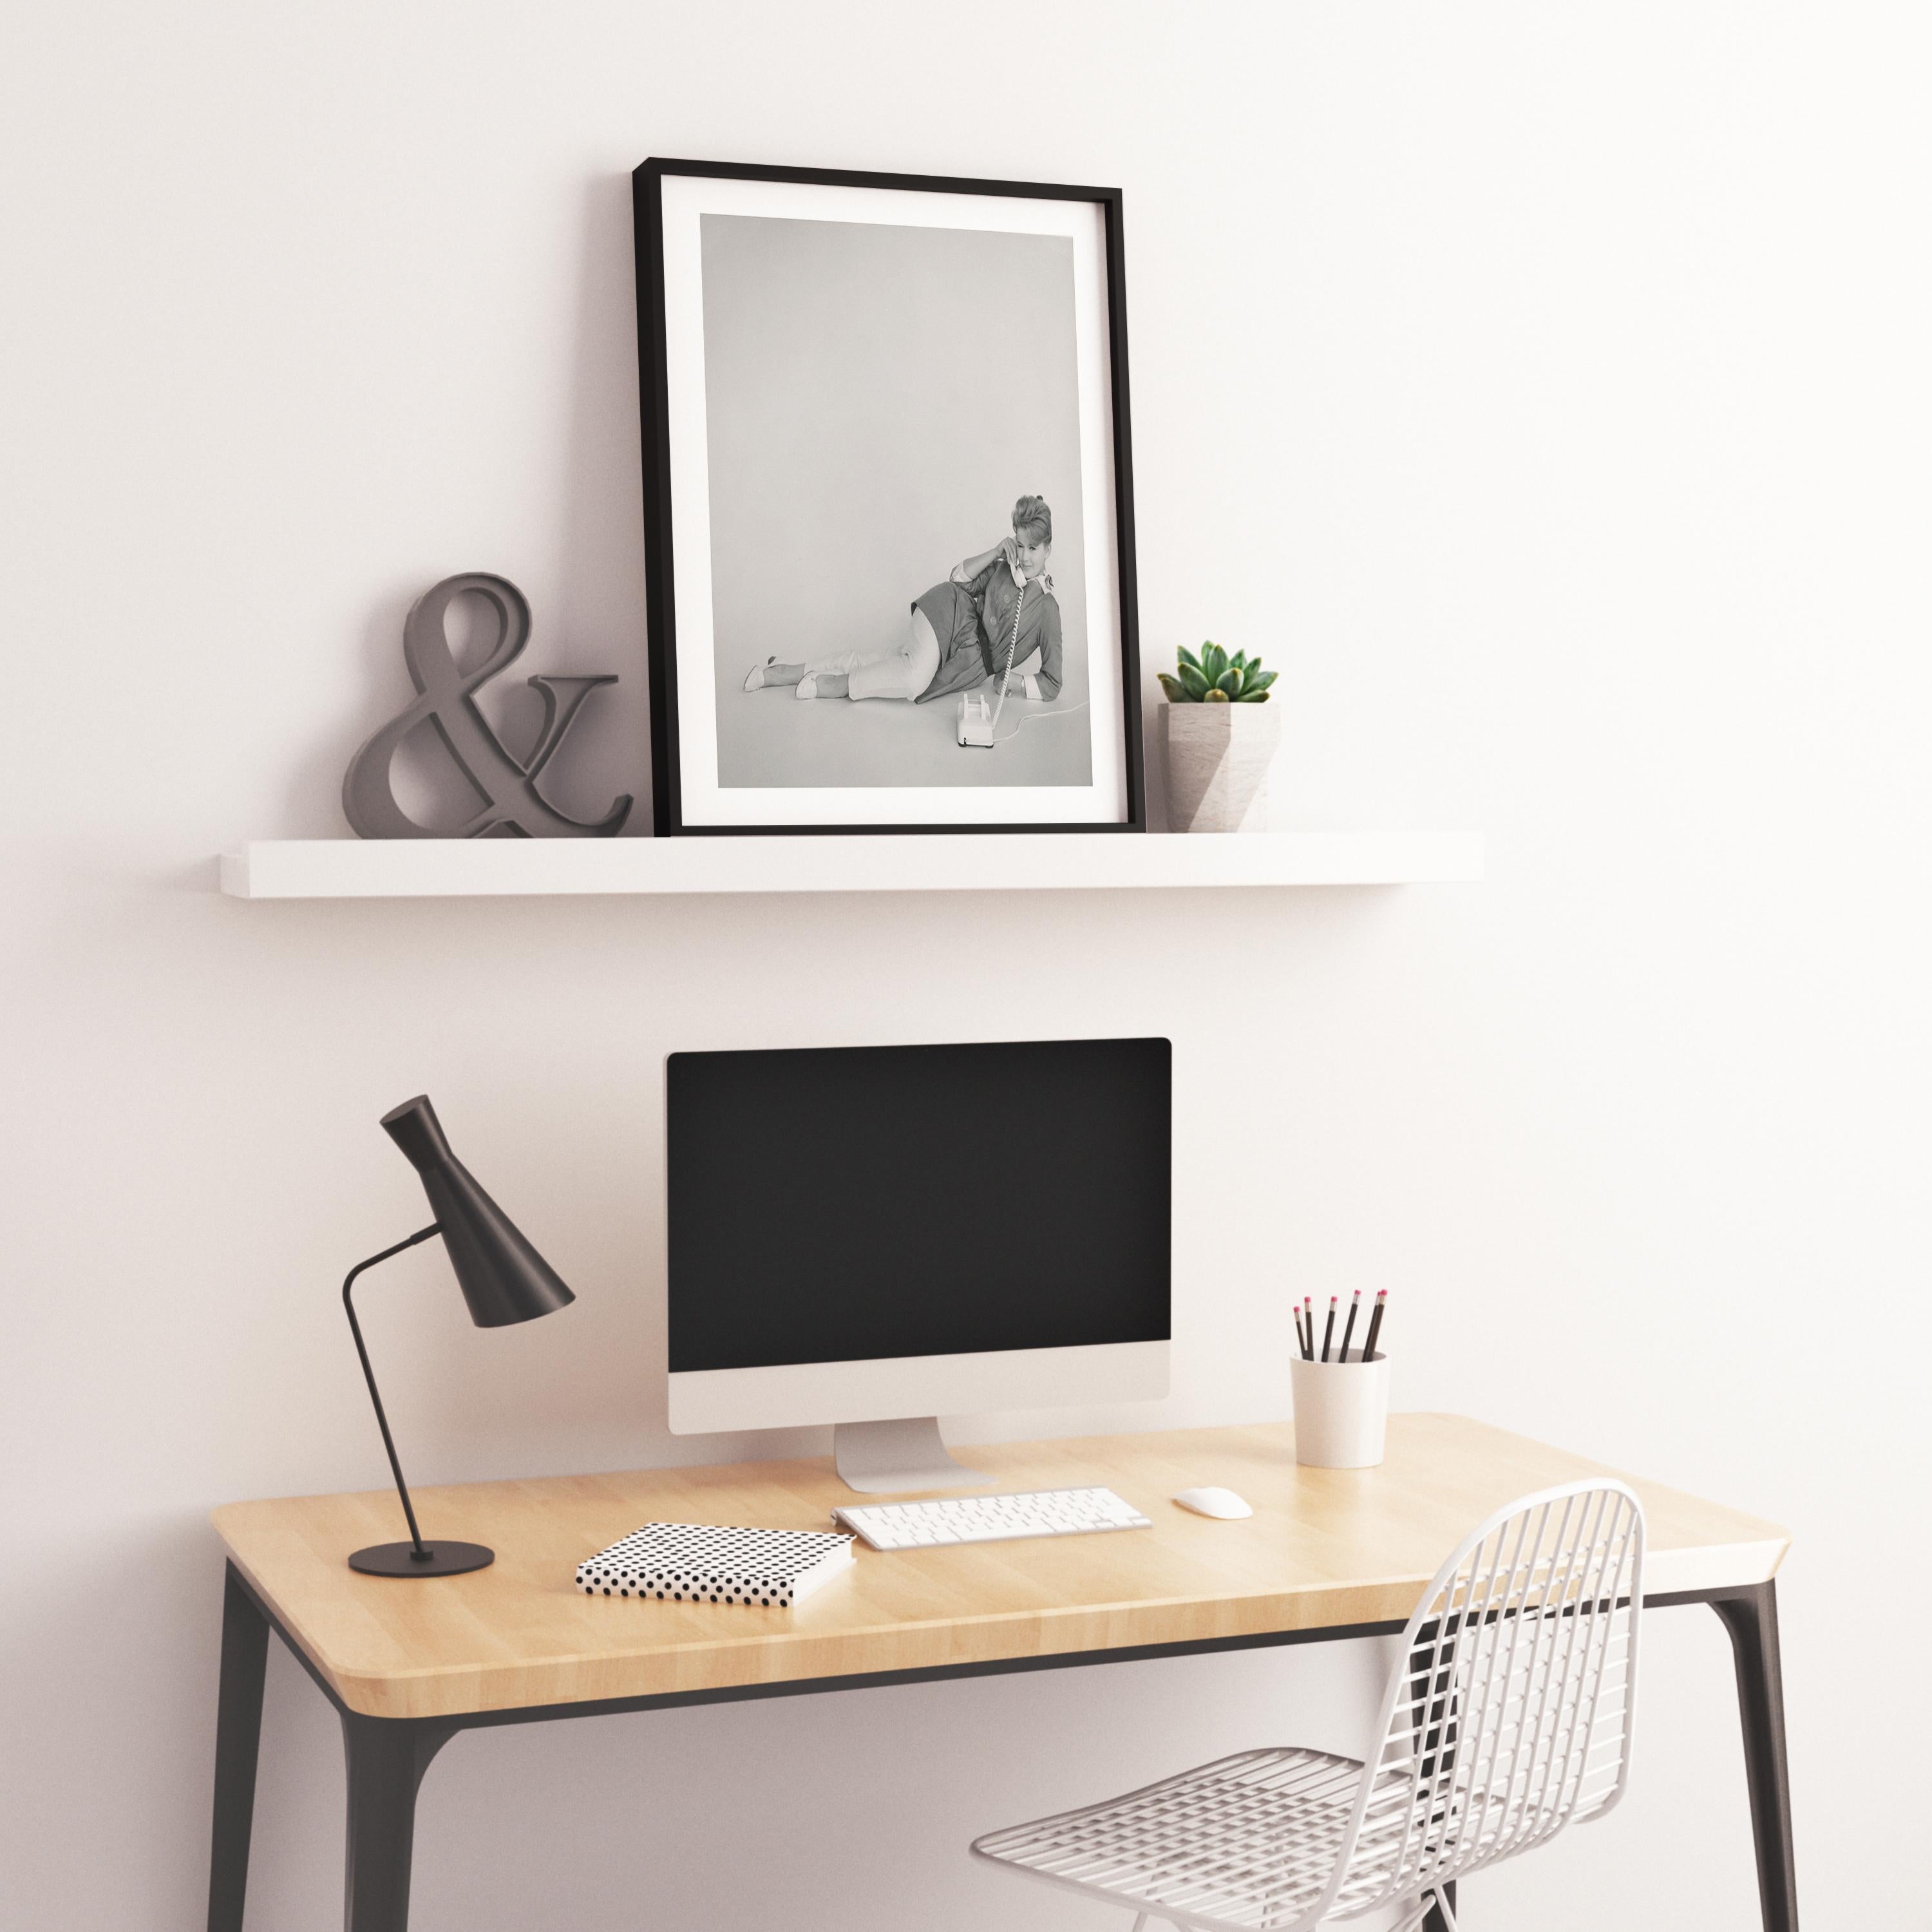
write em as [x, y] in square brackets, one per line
[417, 1551]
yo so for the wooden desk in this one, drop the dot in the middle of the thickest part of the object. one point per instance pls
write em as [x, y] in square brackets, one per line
[1328, 1554]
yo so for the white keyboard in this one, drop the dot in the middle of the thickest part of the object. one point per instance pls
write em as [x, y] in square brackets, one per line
[989, 1519]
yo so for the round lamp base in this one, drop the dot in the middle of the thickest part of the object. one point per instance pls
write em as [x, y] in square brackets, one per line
[400, 1559]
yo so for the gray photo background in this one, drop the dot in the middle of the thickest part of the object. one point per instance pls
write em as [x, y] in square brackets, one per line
[876, 398]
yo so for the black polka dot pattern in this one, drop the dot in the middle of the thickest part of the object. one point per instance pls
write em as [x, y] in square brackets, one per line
[710, 1563]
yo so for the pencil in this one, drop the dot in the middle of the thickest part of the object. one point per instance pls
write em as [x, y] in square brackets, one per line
[1300, 1339]
[1375, 1326]
[1328, 1332]
[1354, 1308]
[1308, 1316]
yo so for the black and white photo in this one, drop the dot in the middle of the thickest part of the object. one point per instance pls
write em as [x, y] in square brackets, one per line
[890, 512]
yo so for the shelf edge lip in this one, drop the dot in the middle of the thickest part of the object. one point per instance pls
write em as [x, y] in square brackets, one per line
[329, 868]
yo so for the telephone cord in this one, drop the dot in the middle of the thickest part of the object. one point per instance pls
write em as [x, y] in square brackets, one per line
[1013, 645]
[1039, 718]
[1006, 678]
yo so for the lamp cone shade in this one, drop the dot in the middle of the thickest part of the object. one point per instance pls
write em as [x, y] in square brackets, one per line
[503, 1279]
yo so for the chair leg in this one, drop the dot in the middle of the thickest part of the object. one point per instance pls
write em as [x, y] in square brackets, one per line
[1418, 1909]
[1442, 1909]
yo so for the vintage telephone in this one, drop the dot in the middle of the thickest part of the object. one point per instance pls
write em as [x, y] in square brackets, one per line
[977, 719]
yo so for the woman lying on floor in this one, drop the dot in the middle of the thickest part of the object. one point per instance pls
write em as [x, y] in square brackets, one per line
[993, 612]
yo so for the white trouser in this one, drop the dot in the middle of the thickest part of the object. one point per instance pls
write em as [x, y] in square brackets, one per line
[903, 674]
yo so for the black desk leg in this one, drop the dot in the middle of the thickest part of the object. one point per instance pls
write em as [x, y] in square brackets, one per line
[387, 1759]
[238, 1741]
[1751, 1618]
[1438, 1722]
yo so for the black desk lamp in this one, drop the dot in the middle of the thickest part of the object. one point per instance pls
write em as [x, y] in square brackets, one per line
[503, 1279]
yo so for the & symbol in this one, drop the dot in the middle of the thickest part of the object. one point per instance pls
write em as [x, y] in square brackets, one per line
[506, 783]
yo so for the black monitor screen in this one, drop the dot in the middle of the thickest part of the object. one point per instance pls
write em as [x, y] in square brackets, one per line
[856, 1204]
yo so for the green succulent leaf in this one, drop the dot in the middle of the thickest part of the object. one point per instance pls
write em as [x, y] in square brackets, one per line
[1214, 677]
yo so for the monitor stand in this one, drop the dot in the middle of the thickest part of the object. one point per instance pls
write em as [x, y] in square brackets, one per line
[880, 1458]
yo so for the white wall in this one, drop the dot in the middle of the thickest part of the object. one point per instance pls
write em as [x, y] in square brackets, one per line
[1542, 388]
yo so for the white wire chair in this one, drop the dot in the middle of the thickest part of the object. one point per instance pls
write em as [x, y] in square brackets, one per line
[1508, 1717]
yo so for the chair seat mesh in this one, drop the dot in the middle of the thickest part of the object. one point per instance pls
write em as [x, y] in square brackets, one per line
[1249, 1842]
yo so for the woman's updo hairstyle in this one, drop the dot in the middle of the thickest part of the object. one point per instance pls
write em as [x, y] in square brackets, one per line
[1033, 520]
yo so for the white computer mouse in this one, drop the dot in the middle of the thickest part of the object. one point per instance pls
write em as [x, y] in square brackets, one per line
[1221, 1503]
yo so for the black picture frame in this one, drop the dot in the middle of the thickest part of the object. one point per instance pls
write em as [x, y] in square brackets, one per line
[654, 390]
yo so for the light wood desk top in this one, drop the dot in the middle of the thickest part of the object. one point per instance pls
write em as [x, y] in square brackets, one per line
[1325, 1548]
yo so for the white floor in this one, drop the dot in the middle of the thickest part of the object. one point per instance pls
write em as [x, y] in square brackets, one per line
[770, 738]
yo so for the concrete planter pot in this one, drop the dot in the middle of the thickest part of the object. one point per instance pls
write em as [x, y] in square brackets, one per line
[1217, 765]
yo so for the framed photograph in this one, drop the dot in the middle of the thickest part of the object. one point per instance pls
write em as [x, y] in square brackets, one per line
[888, 503]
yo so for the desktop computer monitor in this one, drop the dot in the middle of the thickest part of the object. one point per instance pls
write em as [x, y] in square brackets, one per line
[874, 1237]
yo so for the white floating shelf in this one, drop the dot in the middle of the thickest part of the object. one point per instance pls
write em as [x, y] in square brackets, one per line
[342, 868]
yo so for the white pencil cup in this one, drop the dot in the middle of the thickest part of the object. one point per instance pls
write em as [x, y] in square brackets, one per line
[1341, 1411]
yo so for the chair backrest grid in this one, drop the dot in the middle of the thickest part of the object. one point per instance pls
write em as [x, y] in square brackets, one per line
[1510, 1713]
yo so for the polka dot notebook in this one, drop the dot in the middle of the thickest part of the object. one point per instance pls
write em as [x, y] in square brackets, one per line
[706, 1563]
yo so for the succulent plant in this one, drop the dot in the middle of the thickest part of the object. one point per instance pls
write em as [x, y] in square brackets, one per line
[1215, 678]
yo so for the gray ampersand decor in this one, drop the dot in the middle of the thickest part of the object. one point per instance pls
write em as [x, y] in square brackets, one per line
[507, 785]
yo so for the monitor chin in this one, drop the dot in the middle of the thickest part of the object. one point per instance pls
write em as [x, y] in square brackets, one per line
[797, 1395]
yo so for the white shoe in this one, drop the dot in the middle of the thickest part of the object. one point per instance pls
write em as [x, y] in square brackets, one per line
[807, 687]
[754, 678]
